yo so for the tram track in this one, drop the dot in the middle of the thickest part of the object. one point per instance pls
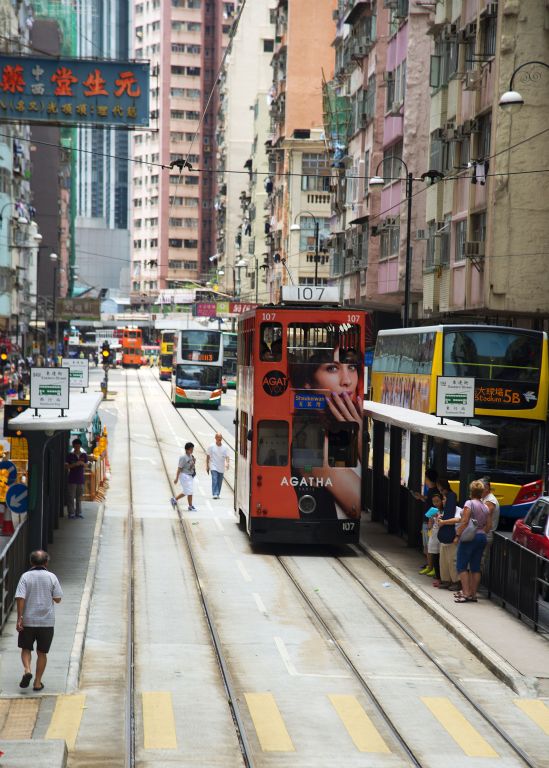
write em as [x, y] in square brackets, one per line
[336, 641]
[129, 715]
[232, 697]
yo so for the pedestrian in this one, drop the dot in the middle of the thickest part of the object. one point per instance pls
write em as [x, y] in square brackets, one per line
[36, 593]
[469, 553]
[76, 462]
[433, 545]
[186, 471]
[451, 514]
[217, 462]
[429, 490]
[489, 498]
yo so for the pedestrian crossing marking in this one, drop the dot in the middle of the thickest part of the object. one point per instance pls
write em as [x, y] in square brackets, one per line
[268, 723]
[360, 728]
[463, 733]
[537, 711]
[20, 719]
[66, 718]
[158, 720]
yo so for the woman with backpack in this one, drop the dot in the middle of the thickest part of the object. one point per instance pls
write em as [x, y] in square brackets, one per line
[471, 531]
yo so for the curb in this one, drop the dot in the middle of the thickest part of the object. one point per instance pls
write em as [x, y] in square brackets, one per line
[520, 684]
[77, 651]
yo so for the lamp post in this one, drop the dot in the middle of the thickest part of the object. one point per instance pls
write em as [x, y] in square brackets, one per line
[297, 228]
[54, 258]
[512, 100]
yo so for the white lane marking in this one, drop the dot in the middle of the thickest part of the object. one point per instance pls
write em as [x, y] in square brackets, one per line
[259, 602]
[218, 523]
[291, 668]
[146, 458]
[230, 545]
[245, 575]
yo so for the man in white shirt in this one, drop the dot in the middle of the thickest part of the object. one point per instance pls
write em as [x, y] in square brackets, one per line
[36, 593]
[217, 462]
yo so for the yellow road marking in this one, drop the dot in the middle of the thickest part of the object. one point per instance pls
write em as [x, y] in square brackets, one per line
[360, 728]
[268, 723]
[463, 733]
[20, 719]
[158, 720]
[537, 711]
[66, 718]
[4, 709]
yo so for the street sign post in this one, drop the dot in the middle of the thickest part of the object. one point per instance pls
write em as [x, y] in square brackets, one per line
[79, 371]
[49, 389]
[17, 498]
[455, 397]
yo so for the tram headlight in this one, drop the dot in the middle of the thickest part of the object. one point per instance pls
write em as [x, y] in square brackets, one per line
[307, 504]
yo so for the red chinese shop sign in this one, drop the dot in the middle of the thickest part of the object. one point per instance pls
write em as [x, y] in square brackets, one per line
[74, 91]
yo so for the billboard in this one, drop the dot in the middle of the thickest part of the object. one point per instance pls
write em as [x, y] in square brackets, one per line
[74, 91]
[83, 309]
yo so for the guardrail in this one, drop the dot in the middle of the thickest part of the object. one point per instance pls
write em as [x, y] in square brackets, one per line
[519, 579]
[13, 562]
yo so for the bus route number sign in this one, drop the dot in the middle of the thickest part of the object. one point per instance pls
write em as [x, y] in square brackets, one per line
[200, 357]
[455, 397]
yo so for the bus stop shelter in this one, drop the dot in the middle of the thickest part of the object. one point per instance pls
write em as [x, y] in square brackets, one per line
[47, 434]
[387, 497]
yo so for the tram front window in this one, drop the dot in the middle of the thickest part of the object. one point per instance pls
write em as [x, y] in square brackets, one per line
[307, 443]
[198, 376]
[272, 443]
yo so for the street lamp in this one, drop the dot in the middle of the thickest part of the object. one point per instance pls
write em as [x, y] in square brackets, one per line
[377, 181]
[54, 258]
[511, 100]
[297, 228]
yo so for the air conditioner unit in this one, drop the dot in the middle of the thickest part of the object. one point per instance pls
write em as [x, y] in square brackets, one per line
[473, 248]
[471, 29]
[450, 126]
[335, 15]
[472, 80]
[388, 77]
[466, 128]
[422, 234]
[363, 49]
[390, 221]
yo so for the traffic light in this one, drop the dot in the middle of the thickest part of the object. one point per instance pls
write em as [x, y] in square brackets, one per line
[106, 354]
[3, 354]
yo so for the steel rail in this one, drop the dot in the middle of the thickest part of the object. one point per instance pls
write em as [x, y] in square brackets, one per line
[129, 714]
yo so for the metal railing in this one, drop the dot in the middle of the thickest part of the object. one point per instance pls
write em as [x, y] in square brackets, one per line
[519, 579]
[13, 562]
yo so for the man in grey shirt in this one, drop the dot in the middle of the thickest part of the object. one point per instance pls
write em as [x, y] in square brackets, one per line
[36, 593]
[186, 470]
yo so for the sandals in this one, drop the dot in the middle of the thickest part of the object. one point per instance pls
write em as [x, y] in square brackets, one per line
[25, 680]
[39, 688]
[465, 599]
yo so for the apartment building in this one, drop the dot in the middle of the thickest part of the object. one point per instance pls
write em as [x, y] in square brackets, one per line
[172, 221]
[487, 229]
[299, 200]
[242, 132]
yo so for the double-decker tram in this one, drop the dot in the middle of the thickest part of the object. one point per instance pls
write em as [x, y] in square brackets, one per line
[132, 347]
[300, 392]
[166, 355]
[197, 364]
[510, 369]
[229, 360]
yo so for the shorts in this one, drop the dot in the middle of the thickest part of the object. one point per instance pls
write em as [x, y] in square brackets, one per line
[42, 635]
[469, 553]
[186, 482]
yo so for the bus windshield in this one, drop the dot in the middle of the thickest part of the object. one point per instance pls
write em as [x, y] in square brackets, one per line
[200, 346]
[198, 376]
[492, 354]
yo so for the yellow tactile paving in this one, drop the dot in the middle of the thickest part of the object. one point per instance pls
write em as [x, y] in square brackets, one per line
[360, 728]
[20, 719]
[463, 733]
[4, 709]
[158, 720]
[268, 723]
[537, 711]
[66, 718]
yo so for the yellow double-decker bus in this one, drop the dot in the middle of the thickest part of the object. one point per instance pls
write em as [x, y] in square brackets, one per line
[510, 368]
[166, 355]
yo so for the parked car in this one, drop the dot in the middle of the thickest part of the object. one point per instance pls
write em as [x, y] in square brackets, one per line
[533, 530]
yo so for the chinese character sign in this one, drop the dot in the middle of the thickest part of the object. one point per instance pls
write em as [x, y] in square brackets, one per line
[74, 91]
[49, 388]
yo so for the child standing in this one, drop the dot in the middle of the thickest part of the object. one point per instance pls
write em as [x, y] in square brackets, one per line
[433, 545]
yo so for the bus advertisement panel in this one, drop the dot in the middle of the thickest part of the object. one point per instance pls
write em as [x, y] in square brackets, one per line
[300, 391]
[510, 369]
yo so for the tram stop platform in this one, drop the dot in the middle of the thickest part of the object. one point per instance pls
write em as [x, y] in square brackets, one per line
[513, 651]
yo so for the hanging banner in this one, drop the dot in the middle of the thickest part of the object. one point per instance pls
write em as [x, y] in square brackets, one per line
[67, 91]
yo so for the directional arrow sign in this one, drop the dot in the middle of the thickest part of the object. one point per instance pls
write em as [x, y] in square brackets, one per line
[17, 498]
[11, 469]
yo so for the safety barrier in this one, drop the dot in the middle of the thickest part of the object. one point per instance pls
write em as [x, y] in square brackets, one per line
[519, 579]
[13, 562]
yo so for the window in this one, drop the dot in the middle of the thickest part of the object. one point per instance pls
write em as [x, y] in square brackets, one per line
[270, 347]
[175, 242]
[193, 3]
[316, 172]
[315, 343]
[492, 354]
[478, 226]
[307, 232]
[369, 104]
[307, 443]
[392, 167]
[174, 264]
[431, 245]
[444, 238]
[193, 26]
[268, 46]
[366, 172]
[243, 441]
[190, 265]
[488, 29]
[444, 62]
[389, 240]
[272, 443]
[484, 136]
[460, 238]
[190, 243]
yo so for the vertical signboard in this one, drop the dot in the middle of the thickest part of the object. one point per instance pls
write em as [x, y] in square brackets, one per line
[78, 372]
[49, 388]
[455, 397]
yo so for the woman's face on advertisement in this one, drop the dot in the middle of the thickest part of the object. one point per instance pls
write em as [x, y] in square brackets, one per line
[335, 376]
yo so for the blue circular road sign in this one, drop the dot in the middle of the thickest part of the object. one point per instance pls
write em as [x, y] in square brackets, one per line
[12, 470]
[17, 498]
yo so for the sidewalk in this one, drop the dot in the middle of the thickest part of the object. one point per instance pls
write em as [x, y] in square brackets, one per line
[514, 652]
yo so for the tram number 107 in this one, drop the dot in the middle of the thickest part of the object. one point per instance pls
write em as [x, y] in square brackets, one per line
[313, 294]
[348, 526]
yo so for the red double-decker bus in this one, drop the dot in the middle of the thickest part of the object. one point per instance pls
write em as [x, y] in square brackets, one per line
[299, 425]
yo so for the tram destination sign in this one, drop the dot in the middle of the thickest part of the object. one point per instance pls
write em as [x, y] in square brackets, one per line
[79, 371]
[310, 294]
[49, 388]
[455, 397]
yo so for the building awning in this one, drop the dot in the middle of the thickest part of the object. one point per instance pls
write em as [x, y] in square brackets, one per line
[360, 219]
[427, 424]
[82, 408]
[356, 10]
